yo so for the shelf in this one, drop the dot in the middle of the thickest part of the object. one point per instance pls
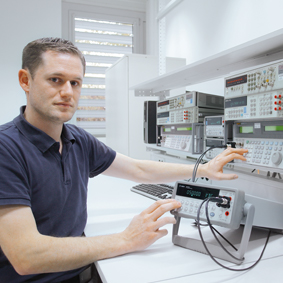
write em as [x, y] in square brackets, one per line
[261, 50]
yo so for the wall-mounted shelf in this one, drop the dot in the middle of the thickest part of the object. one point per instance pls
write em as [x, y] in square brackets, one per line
[258, 51]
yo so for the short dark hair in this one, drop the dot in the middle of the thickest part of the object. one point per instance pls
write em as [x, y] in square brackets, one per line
[32, 58]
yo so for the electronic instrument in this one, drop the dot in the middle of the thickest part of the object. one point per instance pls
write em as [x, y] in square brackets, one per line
[180, 118]
[190, 107]
[185, 137]
[191, 196]
[264, 140]
[242, 209]
[149, 122]
[255, 94]
[217, 132]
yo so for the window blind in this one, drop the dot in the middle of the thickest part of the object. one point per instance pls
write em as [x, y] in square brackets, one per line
[102, 42]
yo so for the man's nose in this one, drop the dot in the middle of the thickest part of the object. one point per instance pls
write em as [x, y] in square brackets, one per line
[66, 89]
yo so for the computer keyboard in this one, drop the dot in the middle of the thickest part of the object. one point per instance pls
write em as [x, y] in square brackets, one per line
[154, 191]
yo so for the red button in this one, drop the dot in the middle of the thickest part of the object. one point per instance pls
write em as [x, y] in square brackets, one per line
[227, 213]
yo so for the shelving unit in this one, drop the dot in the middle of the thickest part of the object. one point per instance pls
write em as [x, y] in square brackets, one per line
[258, 51]
[261, 50]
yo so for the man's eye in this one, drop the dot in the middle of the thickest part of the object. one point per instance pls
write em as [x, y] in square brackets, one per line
[74, 83]
[55, 80]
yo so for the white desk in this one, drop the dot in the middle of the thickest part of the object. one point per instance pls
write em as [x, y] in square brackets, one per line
[111, 206]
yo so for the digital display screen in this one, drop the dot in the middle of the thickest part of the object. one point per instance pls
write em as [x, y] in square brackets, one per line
[210, 143]
[246, 129]
[166, 130]
[163, 103]
[213, 121]
[273, 128]
[196, 192]
[236, 81]
[184, 129]
[163, 115]
[236, 102]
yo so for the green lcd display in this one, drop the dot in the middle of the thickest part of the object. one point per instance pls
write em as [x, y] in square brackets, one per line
[184, 129]
[246, 129]
[273, 128]
[166, 130]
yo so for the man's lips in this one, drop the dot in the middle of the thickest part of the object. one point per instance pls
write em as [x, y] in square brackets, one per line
[64, 104]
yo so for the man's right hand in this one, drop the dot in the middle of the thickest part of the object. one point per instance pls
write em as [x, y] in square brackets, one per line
[144, 229]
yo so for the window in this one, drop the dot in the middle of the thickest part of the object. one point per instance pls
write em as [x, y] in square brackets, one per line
[103, 39]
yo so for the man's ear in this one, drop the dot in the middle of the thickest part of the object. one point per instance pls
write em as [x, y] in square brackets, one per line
[24, 79]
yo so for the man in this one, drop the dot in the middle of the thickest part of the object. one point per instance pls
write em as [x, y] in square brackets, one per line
[44, 171]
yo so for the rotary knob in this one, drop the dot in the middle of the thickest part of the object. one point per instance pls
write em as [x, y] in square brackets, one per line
[183, 145]
[276, 158]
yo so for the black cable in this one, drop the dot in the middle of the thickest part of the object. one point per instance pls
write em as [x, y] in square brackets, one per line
[224, 238]
[200, 159]
[198, 162]
[209, 224]
[212, 257]
[202, 224]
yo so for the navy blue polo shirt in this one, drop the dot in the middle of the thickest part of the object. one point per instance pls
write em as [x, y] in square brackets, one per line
[35, 174]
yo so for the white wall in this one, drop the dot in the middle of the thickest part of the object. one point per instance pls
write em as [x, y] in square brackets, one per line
[199, 29]
[21, 22]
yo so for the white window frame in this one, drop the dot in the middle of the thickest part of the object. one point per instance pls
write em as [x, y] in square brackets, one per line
[70, 11]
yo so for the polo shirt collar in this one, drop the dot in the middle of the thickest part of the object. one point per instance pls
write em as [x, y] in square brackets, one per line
[36, 136]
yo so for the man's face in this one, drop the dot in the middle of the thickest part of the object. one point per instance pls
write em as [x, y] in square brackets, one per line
[55, 89]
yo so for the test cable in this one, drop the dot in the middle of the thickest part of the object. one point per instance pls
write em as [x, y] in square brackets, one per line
[200, 159]
[219, 200]
[209, 253]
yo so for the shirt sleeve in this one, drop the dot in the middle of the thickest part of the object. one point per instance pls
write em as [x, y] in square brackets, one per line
[14, 185]
[100, 156]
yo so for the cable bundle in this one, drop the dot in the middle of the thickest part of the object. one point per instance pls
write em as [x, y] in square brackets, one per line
[221, 201]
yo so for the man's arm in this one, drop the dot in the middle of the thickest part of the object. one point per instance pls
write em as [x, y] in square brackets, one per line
[144, 171]
[30, 252]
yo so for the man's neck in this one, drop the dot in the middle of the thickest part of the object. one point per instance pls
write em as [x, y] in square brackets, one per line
[54, 130]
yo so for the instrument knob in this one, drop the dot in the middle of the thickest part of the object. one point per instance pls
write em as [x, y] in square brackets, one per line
[183, 145]
[276, 158]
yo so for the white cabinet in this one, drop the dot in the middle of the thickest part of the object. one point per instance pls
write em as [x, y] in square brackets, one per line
[124, 110]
